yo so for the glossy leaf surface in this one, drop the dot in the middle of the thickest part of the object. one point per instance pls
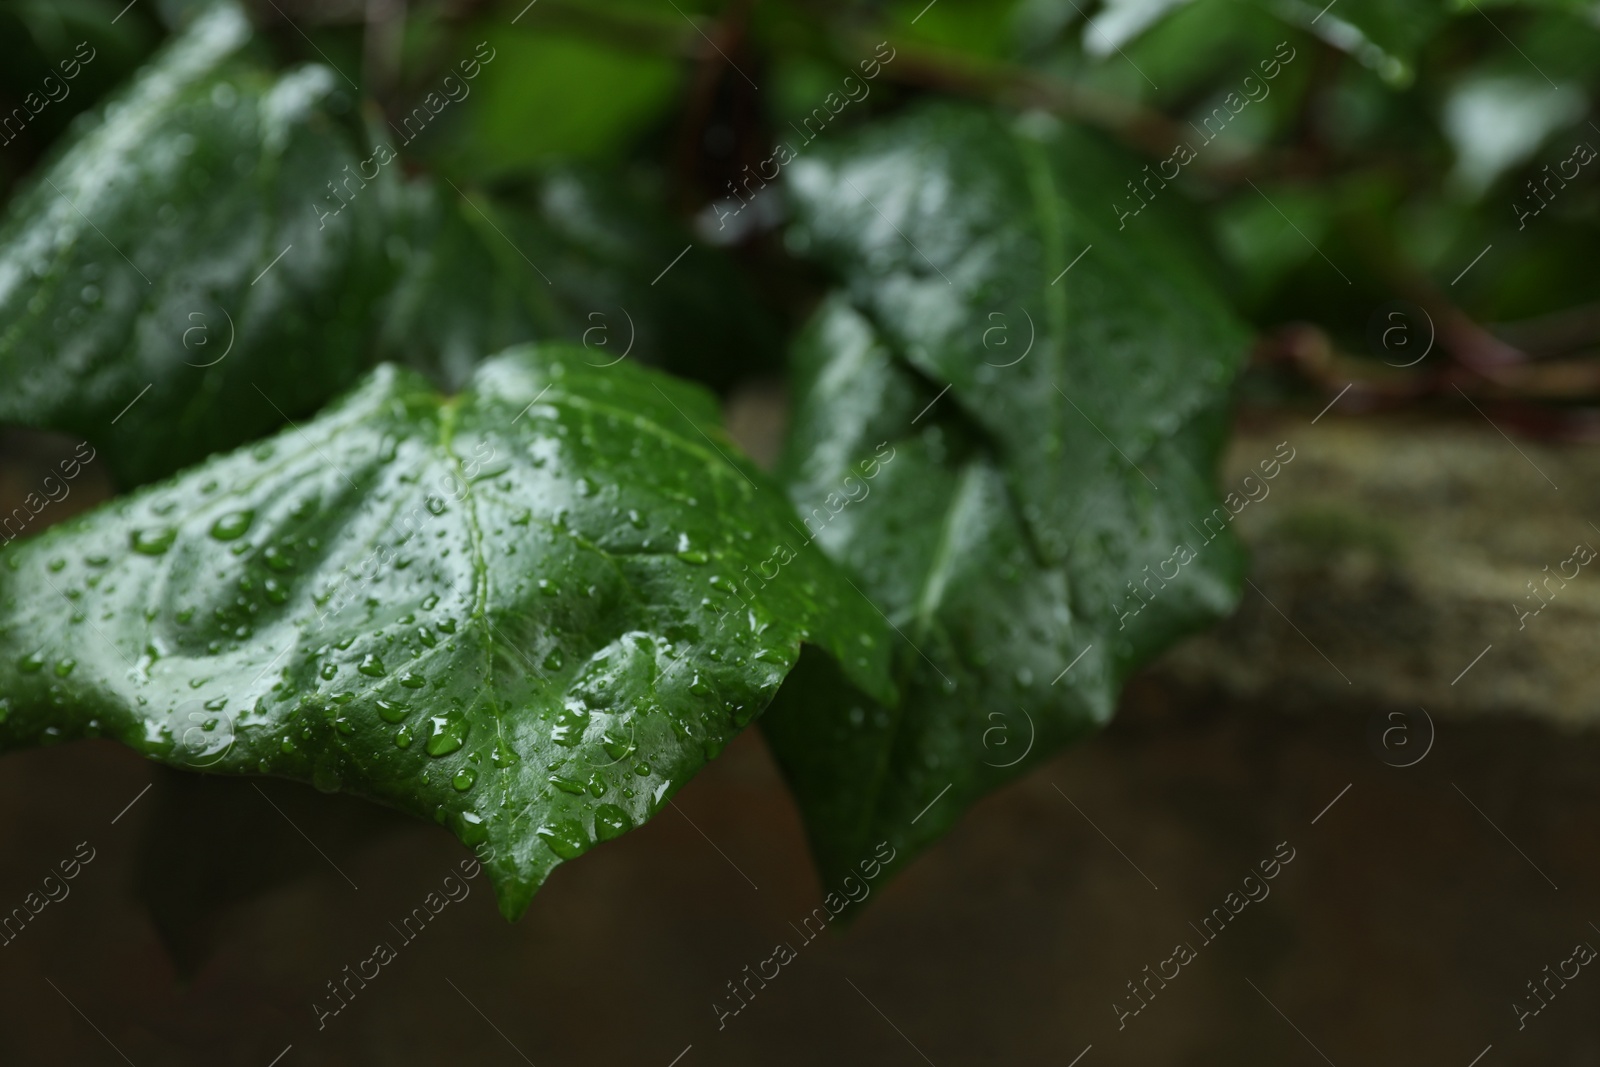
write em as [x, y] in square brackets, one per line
[1004, 503]
[960, 235]
[186, 256]
[528, 612]
[580, 257]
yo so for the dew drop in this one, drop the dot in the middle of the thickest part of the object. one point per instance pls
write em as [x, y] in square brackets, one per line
[389, 711]
[569, 726]
[610, 822]
[371, 666]
[565, 837]
[473, 829]
[233, 525]
[155, 540]
[449, 734]
[567, 785]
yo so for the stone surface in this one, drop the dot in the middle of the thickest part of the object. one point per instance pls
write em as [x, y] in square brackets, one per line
[1400, 551]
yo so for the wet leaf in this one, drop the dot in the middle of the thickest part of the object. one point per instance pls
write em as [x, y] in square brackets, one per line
[960, 237]
[212, 238]
[1032, 519]
[581, 257]
[530, 611]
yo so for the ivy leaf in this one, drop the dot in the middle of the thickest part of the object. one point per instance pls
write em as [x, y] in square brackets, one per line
[530, 611]
[185, 257]
[999, 503]
[960, 235]
[582, 257]
[464, 290]
[556, 95]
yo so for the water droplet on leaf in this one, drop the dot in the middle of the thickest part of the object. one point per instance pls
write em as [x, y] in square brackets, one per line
[565, 837]
[449, 734]
[473, 831]
[233, 525]
[155, 540]
[389, 711]
[610, 822]
[569, 726]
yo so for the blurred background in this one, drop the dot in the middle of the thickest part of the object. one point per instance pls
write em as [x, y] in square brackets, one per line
[1381, 706]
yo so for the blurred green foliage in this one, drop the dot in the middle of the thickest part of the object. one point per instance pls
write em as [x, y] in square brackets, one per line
[1399, 140]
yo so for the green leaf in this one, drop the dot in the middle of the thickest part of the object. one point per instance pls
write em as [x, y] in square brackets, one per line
[954, 233]
[581, 257]
[999, 525]
[968, 27]
[465, 289]
[553, 96]
[56, 60]
[185, 254]
[529, 612]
